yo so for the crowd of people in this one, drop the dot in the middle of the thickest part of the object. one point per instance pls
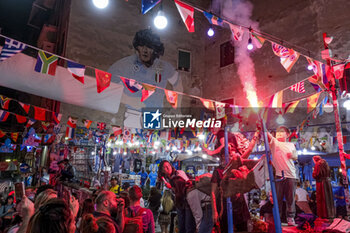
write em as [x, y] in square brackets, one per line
[176, 200]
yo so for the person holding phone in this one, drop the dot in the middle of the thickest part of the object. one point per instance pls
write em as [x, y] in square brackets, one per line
[7, 211]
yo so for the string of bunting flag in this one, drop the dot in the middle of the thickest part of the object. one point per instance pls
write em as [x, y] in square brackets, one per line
[12, 47]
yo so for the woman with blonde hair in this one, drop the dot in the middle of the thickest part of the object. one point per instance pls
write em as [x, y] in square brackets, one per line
[164, 216]
[90, 224]
[44, 197]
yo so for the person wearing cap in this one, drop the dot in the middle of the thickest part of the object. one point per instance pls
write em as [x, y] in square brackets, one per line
[283, 156]
[114, 185]
[135, 195]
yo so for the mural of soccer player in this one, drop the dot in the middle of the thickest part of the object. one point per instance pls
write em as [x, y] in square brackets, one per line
[145, 66]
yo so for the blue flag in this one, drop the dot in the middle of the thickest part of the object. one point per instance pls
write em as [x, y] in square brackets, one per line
[213, 19]
[11, 47]
[148, 5]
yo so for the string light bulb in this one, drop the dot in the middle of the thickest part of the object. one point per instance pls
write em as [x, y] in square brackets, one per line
[210, 32]
[280, 120]
[160, 21]
[250, 45]
[100, 3]
[310, 67]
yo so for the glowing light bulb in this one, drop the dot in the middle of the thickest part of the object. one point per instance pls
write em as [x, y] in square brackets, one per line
[255, 158]
[304, 151]
[250, 45]
[299, 152]
[218, 159]
[160, 21]
[125, 153]
[93, 153]
[210, 32]
[204, 156]
[201, 137]
[114, 153]
[280, 120]
[313, 148]
[100, 3]
[189, 152]
[167, 147]
[340, 170]
[310, 67]
[174, 148]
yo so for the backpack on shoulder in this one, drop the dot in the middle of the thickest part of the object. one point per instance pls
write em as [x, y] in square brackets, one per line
[133, 221]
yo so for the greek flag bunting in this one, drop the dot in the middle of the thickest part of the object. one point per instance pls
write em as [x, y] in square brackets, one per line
[11, 48]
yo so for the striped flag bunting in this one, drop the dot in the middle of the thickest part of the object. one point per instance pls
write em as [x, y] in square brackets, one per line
[291, 107]
[56, 117]
[4, 115]
[72, 122]
[11, 48]
[312, 102]
[70, 132]
[257, 40]
[298, 87]
[186, 13]
[77, 70]
[288, 57]
[276, 100]
[131, 85]
[237, 32]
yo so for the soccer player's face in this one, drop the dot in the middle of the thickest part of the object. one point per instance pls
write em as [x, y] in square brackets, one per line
[145, 53]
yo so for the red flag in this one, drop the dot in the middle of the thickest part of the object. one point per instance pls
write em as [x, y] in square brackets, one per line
[39, 114]
[171, 96]
[72, 122]
[117, 130]
[25, 107]
[312, 102]
[338, 71]
[147, 91]
[2, 134]
[298, 87]
[21, 119]
[101, 125]
[103, 80]
[186, 13]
